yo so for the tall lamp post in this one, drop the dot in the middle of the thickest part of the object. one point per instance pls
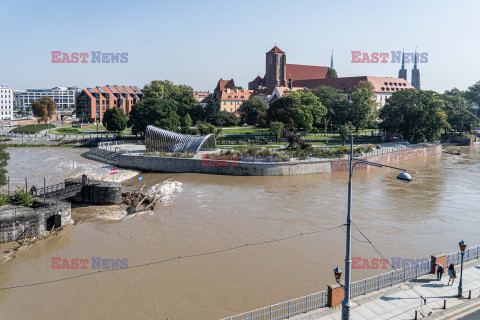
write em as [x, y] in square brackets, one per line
[347, 303]
[462, 246]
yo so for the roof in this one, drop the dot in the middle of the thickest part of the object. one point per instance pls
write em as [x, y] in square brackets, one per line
[233, 95]
[224, 84]
[304, 72]
[276, 50]
[157, 139]
[258, 79]
[348, 84]
[128, 91]
[279, 92]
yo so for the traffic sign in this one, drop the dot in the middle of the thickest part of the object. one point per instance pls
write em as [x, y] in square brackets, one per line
[113, 171]
[140, 178]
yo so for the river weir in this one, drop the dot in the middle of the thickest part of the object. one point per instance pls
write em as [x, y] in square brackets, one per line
[202, 213]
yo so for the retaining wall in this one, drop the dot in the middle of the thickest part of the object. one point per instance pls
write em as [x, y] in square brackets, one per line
[181, 165]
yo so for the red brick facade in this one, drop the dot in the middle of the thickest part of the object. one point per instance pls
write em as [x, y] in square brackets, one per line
[92, 103]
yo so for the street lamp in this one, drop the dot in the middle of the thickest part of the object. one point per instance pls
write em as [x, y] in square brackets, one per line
[462, 246]
[346, 303]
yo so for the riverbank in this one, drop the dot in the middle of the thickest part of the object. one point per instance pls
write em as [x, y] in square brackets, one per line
[239, 168]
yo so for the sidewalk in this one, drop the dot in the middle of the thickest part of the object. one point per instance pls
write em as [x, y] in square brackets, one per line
[401, 301]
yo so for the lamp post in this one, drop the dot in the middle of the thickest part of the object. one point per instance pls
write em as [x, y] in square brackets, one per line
[347, 303]
[462, 246]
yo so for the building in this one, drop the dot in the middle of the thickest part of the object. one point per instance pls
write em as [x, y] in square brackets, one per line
[224, 84]
[201, 96]
[416, 74]
[6, 102]
[92, 103]
[232, 99]
[278, 73]
[64, 97]
[402, 74]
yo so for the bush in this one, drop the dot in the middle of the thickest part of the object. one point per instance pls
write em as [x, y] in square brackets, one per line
[22, 197]
[5, 199]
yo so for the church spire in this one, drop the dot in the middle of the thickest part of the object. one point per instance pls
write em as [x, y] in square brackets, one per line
[415, 73]
[331, 61]
[402, 74]
[415, 64]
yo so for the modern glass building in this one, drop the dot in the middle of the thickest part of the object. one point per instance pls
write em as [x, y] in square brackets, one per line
[64, 97]
[6, 102]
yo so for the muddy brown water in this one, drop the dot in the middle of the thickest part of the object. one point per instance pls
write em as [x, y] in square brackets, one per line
[202, 213]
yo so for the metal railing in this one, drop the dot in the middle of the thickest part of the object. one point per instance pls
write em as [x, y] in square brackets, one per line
[56, 136]
[286, 309]
[389, 279]
[456, 257]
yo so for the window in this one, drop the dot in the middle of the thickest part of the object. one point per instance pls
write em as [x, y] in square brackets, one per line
[270, 60]
[279, 59]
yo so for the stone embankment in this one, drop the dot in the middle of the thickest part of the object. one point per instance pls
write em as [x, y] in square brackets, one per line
[182, 165]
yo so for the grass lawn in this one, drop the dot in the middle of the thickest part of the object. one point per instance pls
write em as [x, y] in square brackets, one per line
[245, 130]
[68, 129]
[32, 128]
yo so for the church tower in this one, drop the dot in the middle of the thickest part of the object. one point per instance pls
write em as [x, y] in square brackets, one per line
[402, 74]
[276, 65]
[415, 74]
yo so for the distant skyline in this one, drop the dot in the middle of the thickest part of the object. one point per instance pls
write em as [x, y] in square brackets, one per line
[198, 42]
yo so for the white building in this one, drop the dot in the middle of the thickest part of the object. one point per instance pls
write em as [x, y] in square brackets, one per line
[6, 102]
[64, 97]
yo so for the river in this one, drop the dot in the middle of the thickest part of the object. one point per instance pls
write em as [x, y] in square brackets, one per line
[201, 213]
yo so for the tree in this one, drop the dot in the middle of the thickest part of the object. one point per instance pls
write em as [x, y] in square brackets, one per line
[197, 112]
[275, 129]
[344, 132]
[253, 111]
[415, 114]
[206, 128]
[114, 119]
[332, 73]
[459, 118]
[186, 123]
[362, 111]
[212, 109]
[297, 110]
[44, 108]
[337, 107]
[155, 111]
[473, 95]
[228, 119]
[166, 89]
[4, 157]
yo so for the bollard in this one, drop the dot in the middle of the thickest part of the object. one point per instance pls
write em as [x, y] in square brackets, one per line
[469, 294]
[416, 315]
[445, 304]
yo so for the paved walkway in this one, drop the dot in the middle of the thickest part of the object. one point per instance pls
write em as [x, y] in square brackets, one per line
[401, 301]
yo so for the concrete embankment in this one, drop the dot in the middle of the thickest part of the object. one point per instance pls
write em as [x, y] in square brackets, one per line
[180, 165]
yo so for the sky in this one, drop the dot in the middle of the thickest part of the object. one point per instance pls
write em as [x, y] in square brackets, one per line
[198, 42]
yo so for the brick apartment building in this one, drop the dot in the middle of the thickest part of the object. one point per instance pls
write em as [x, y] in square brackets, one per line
[92, 103]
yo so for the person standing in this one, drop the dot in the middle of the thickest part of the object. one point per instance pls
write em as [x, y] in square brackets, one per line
[440, 271]
[452, 274]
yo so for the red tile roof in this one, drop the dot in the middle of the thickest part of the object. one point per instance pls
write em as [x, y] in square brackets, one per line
[276, 50]
[258, 79]
[224, 84]
[304, 72]
[348, 84]
[232, 95]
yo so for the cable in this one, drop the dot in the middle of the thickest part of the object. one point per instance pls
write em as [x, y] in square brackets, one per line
[174, 258]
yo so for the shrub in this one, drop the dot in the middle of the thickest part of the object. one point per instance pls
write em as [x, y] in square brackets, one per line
[22, 197]
[5, 199]
[32, 128]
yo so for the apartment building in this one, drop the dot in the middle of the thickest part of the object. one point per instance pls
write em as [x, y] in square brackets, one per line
[64, 97]
[6, 102]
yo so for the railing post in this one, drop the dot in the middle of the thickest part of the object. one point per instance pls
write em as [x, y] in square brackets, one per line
[288, 310]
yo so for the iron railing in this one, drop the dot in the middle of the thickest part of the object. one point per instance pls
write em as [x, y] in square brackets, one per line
[456, 257]
[286, 309]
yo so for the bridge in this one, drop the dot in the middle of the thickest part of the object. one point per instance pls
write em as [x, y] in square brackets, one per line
[62, 190]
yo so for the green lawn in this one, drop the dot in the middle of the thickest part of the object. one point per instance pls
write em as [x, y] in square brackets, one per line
[32, 128]
[68, 129]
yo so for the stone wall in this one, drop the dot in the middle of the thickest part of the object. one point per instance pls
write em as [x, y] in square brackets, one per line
[19, 222]
[183, 165]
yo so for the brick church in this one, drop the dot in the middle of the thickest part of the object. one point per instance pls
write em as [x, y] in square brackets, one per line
[281, 74]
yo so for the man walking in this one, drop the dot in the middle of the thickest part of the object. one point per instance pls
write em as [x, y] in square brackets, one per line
[440, 271]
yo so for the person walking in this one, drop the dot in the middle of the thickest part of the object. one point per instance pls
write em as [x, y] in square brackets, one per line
[440, 271]
[452, 274]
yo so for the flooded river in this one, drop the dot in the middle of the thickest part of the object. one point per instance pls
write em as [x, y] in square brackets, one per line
[201, 213]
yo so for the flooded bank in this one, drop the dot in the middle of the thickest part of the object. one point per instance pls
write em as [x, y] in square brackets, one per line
[201, 213]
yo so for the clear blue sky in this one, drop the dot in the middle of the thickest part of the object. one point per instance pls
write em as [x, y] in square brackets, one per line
[198, 42]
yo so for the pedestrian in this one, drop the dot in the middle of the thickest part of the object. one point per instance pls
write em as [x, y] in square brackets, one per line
[440, 271]
[452, 274]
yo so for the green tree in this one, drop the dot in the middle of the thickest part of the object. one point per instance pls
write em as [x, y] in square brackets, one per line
[332, 73]
[275, 129]
[344, 132]
[228, 119]
[44, 108]
[253, 111]
[186, 123]
[206, 128]
[337, 107]
[212, 109]
[197, 113]
[4, 157]
[362, 110]
[415, 114]
[114, 119]
[166, 89]
[155, 111]
[459, 118]
[473, 95]
[297, 110]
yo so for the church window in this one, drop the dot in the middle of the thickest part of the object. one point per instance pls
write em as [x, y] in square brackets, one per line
[280, 60]
[270, 60]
